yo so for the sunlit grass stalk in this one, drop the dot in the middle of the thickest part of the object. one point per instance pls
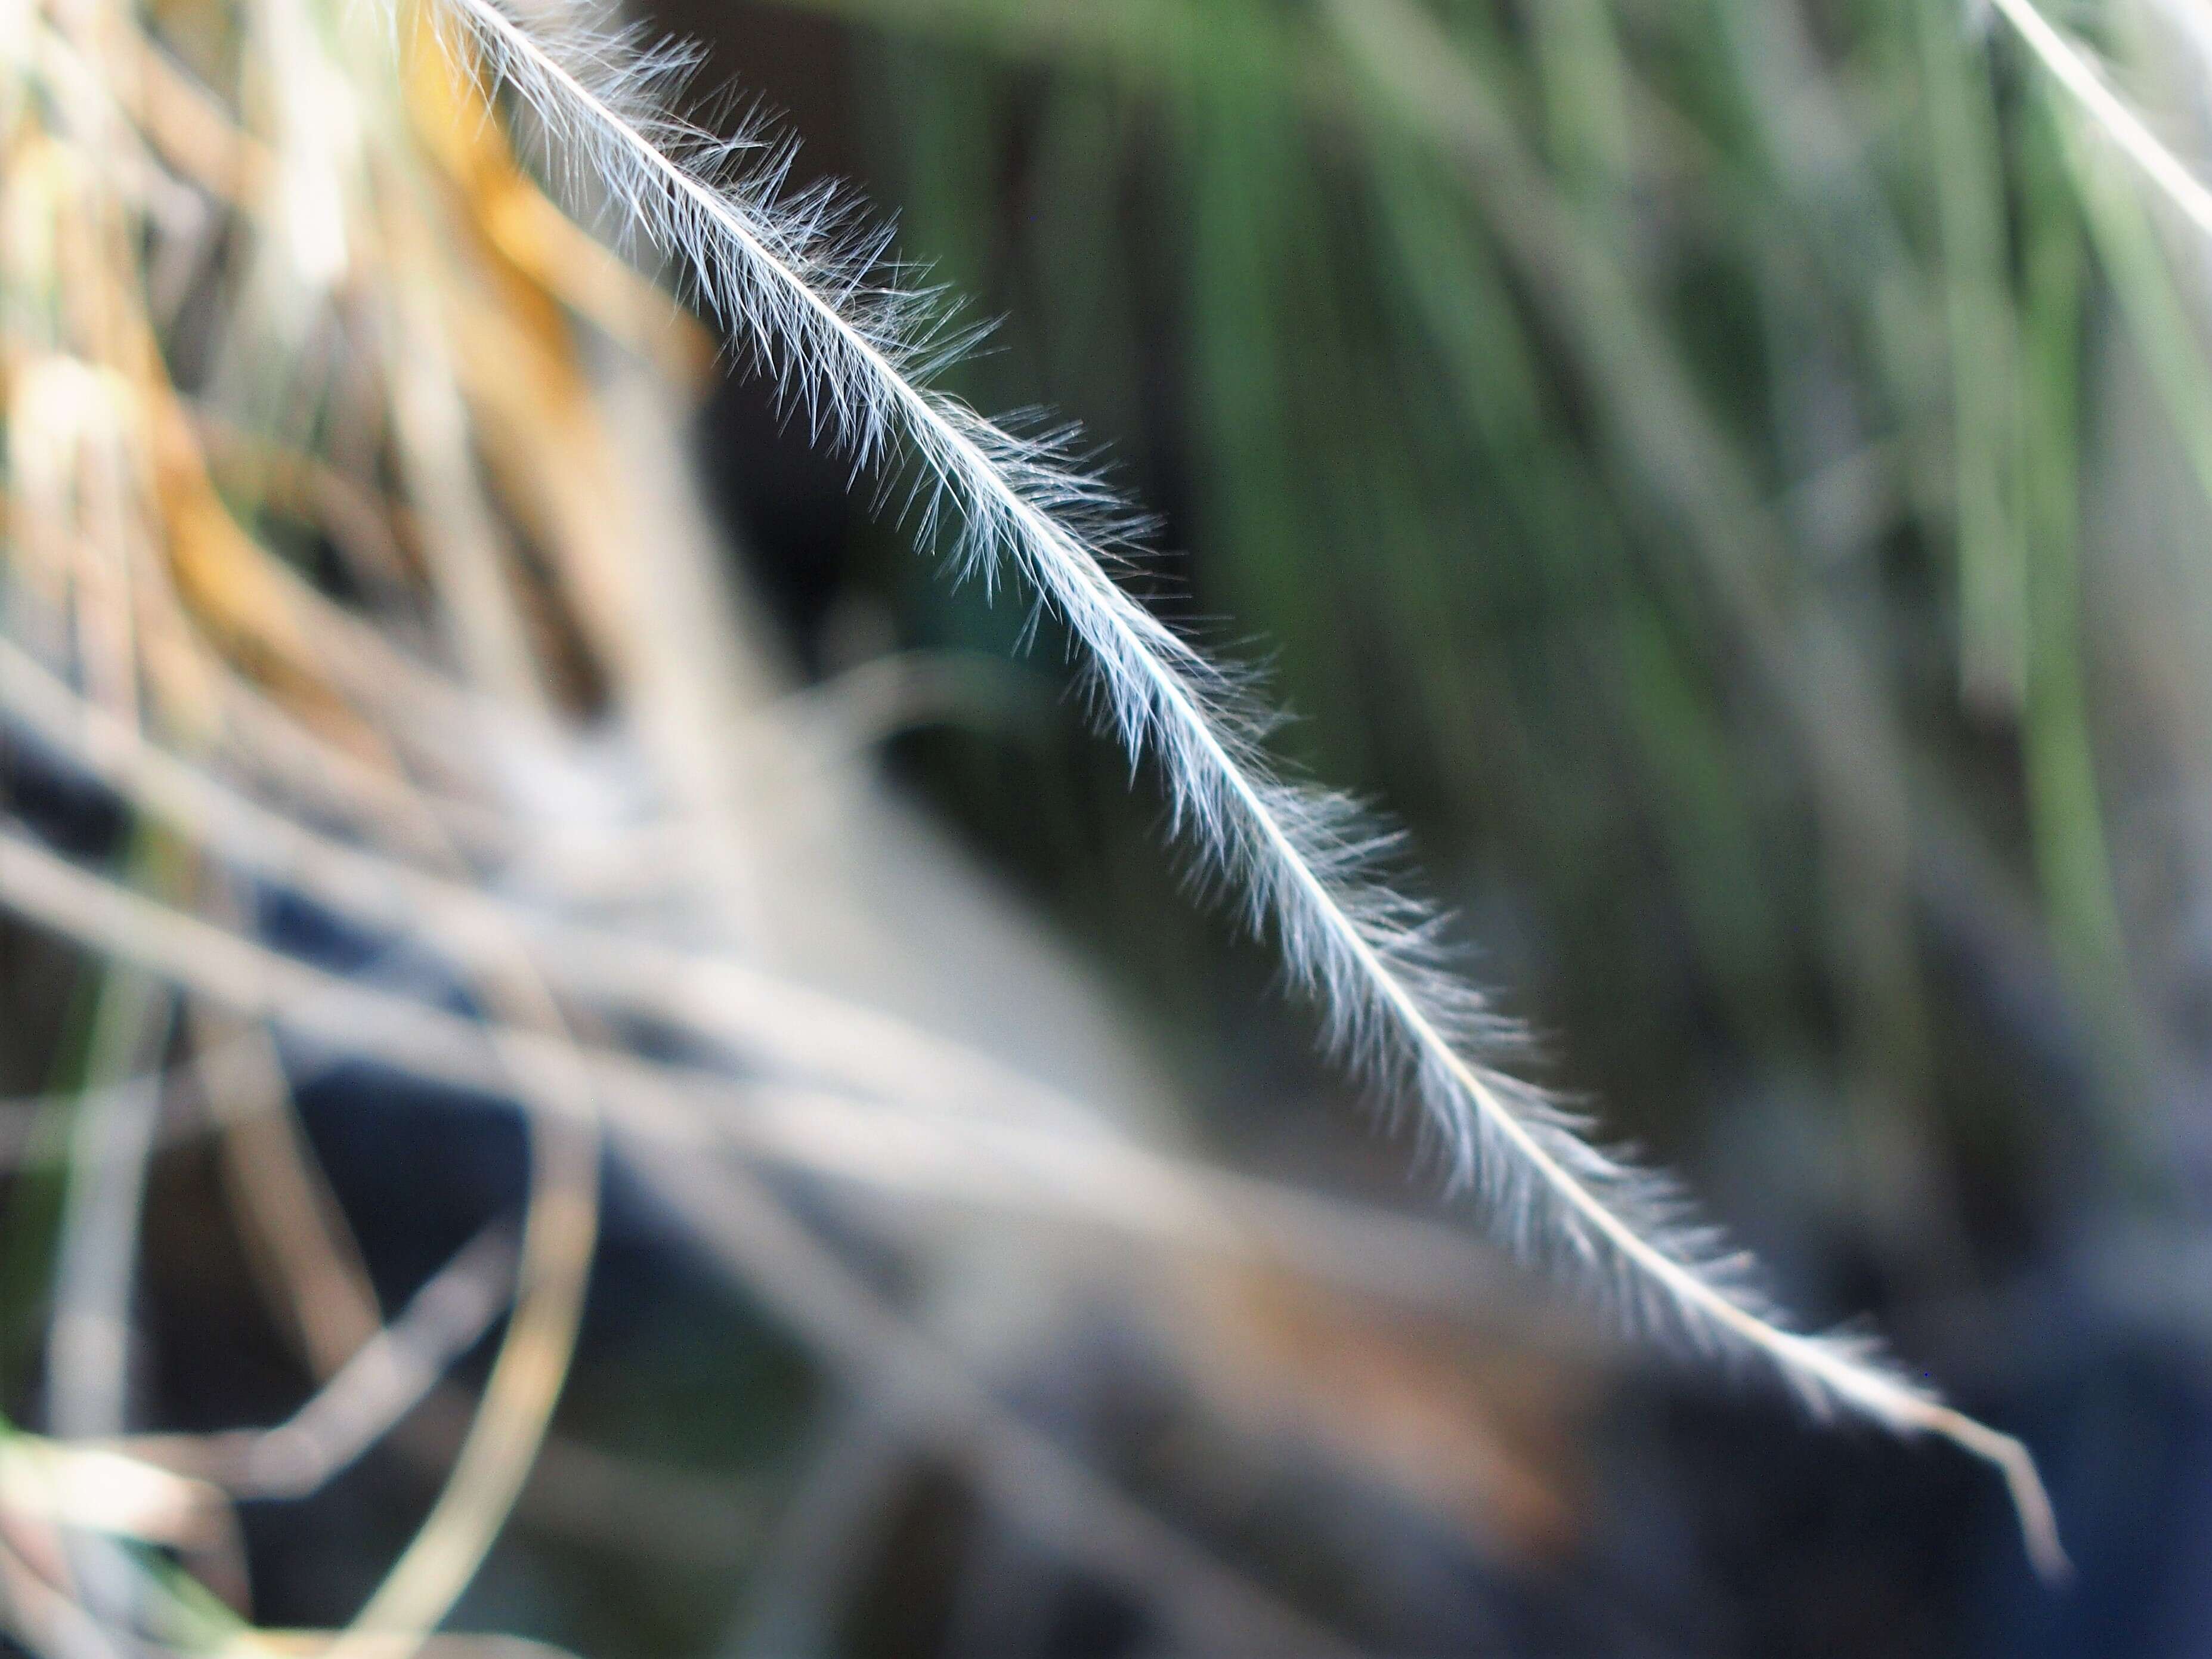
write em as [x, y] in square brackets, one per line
[856, 352]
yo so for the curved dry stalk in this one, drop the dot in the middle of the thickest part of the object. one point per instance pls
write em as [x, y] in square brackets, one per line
[154, 581]
[315, 1281]
[561, 1219]
[734, 1218]
[572, 1488]
[364, 1398]
[857, 352]
[500, 1444]
[560, 1230]
[560, 1236]
[1097, 1524]
[987, 1135]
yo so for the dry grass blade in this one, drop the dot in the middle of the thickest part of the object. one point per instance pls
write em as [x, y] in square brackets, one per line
[726, 1211]
[378, 1385]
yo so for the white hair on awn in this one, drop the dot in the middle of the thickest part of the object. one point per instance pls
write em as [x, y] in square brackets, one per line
[798, 279]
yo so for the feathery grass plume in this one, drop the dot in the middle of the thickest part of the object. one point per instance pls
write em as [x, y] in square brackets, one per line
[815, 296]
[256, 729]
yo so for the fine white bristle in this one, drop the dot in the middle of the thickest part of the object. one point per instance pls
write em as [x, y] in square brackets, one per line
[795, 279]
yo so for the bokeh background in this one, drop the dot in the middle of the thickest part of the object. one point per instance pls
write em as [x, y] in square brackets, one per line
[1732, 477]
